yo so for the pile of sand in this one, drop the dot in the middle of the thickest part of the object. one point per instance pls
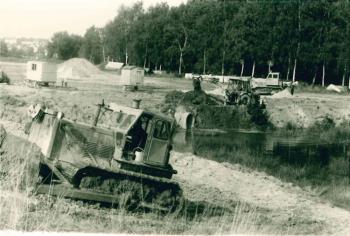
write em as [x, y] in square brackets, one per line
[77, 68]
[283, 94]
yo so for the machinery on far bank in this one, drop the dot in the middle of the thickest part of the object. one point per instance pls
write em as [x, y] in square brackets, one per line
[269, 85]
[123, 161]
[239, 92]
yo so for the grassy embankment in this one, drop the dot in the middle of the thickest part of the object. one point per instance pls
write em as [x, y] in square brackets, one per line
[319, 163]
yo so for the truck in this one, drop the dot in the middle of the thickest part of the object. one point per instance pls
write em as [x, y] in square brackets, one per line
[269, 85]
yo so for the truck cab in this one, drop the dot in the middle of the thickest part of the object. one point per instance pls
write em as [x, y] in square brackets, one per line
[273, 79]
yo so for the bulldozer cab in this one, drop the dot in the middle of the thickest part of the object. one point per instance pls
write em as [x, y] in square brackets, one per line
[146, 133]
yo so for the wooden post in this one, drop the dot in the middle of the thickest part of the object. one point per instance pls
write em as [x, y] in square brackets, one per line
[99, 107]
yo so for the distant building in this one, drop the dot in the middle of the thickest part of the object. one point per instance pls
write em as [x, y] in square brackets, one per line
[132, 77]
[39, 72]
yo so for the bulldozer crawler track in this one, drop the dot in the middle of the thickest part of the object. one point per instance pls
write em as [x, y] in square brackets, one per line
[123, 188]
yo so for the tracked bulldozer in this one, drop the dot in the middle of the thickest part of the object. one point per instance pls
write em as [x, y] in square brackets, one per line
[123, 160]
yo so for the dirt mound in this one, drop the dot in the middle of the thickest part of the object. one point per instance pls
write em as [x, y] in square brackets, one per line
[222, 117]
[210, 113]
[77, 68]
[186, 101]
[283, 94]
[217, 91]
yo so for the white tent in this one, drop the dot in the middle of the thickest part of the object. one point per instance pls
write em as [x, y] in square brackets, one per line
[111, 65]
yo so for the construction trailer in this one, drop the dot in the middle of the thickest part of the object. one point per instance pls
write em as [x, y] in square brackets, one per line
[132, 77]
[41, 73]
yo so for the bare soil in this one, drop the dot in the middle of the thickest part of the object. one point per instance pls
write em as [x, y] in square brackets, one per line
[280, 208]
[287, 207]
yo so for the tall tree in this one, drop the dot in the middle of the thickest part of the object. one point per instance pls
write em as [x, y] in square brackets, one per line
[64, 45]
[3, 48]
[118, 33]
[92, 47]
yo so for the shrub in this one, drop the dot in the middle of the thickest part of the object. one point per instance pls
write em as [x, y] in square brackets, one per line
[258, 114]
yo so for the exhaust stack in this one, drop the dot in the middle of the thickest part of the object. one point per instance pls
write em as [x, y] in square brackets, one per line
[136, 103]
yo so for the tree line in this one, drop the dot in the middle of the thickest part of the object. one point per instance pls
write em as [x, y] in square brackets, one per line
[303, 40]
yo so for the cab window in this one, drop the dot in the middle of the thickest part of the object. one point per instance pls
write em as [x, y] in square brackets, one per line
[161, 130]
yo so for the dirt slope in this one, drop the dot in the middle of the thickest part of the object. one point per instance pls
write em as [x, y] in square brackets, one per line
[304, 109]
[285, 204]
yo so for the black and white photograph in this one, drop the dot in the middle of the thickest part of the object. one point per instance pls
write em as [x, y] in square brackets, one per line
[175, 117]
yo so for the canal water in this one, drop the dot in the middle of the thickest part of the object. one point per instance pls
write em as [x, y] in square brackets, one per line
[269, 150]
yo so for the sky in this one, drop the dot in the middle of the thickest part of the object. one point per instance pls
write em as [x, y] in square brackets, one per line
[42, 18]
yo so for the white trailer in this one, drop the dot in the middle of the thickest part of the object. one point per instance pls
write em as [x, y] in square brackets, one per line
[132, 77]
[41, 73]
